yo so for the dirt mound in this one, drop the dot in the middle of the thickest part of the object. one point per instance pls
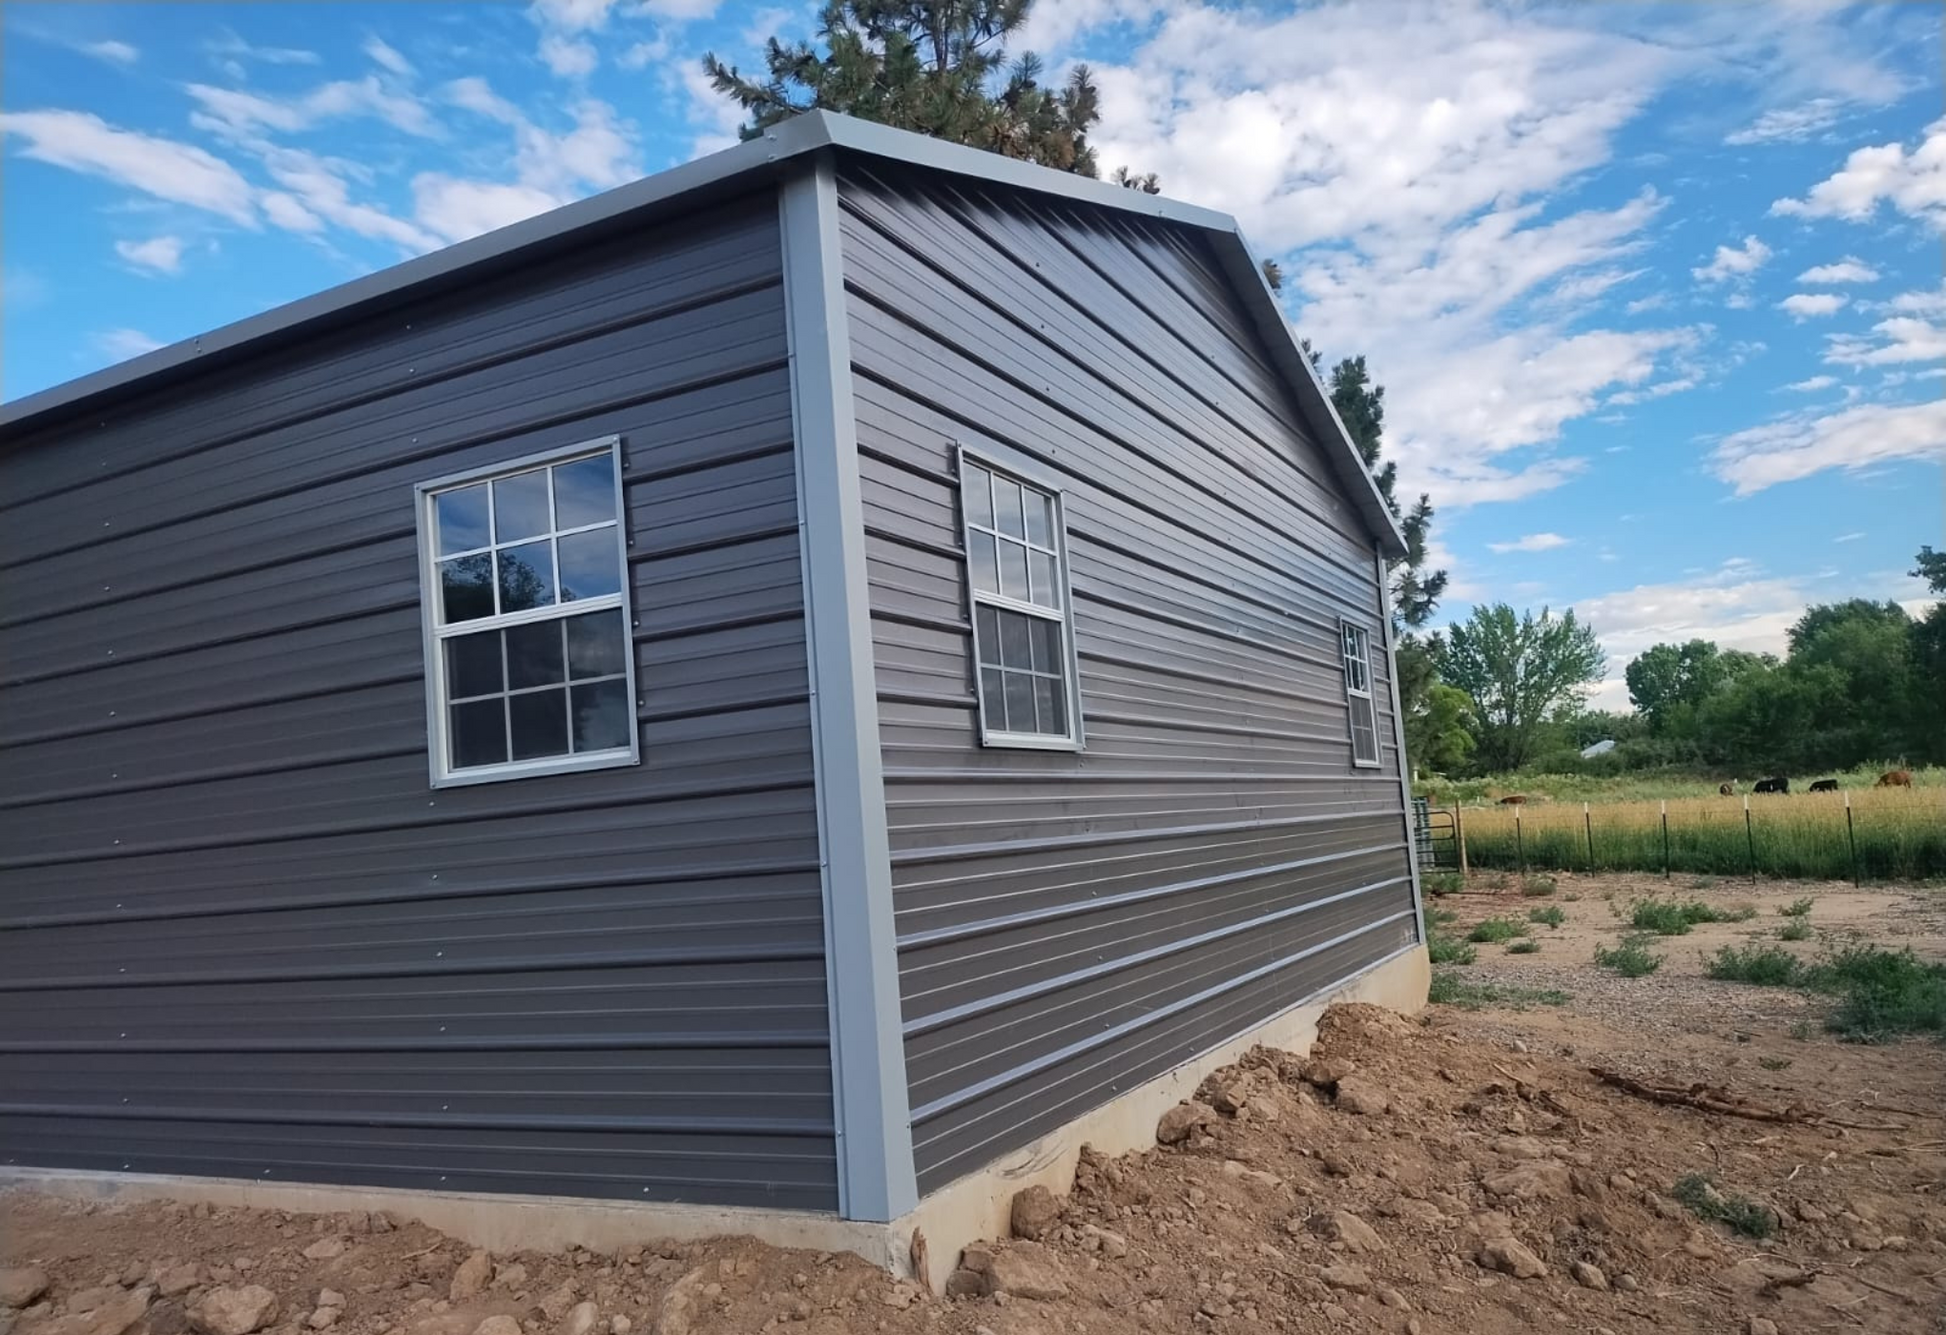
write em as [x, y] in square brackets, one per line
[1400, 1178]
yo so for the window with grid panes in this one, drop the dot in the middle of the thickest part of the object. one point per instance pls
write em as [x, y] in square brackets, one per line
[1358, 695]
[1022, 636]
[529, 660]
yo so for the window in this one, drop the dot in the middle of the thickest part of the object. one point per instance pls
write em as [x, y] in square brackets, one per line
[529, 664]
[1356, 648]
[1023, 645]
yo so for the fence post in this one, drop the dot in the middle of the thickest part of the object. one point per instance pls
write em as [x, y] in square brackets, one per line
[1520, 848]
[1851, 838]
[1588, 824]
[1459, 837]
[1665, 840]
[1749, 839]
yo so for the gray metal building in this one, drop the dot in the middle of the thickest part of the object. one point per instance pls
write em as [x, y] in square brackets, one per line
[770, 686]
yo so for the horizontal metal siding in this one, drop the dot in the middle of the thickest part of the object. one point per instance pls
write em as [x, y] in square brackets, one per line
[1073, 925]
[241, 936]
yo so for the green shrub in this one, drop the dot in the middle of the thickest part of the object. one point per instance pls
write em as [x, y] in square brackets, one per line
[1797, 929]
[1527, 945]
[1537, 887]
[1450, 989]
[1801, 1030]
[1705, 1202]
[1881, 993]
[1552, 915]
[1442, 949]
[1671, 917]
[1443, 883]
[1494, 931]
[1797, 908]
[1763, 966]
[1631, 959]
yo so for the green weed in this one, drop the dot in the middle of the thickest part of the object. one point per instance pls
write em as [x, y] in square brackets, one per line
[1705, 1202]
[1450, 989]
[1632, 958]
[1553, 915]
[1762, 966]
[1797, 908]
[1774, 1063]
[1527, 945]
[1797, 929]
[1670, 917]
[1443, 883]
[1496, 931]
[1538, 887]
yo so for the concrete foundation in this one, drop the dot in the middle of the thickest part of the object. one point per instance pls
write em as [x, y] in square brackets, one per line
[974, 1208]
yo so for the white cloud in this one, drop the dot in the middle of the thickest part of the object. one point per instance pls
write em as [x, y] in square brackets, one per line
[1533, 542]
[1733, 261]
[1814, 384]
[287, 212]
[568, 57]
[600, 152]
[458, 209]
[680, 11]
[1847, 270]
[1791, 124]
[572, 15]
[1661, 390]
[232, 47]
[1810, 305]
[1803, 444]
[1848, 537]
[1916, 337]
[114, 52]
[643, 54]
[118, 345]
[709, 109]
[241, 116]
[387, 56]
[162, 254]
[1912, 183]
[177, 172]
[318, 186]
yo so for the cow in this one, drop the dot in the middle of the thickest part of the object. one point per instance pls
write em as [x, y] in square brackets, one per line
[1513, 800]
[1777, 785]
[1728, 789]
[1895, 778]
[1825, 786]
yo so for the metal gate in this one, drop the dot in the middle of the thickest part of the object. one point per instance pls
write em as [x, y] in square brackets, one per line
[1436, 832]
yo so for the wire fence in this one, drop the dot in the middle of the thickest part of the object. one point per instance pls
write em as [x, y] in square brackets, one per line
[1870, 835]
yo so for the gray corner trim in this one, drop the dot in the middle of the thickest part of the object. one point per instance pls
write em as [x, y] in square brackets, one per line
[1240, 263]
[876, 1178]
[1398, 733]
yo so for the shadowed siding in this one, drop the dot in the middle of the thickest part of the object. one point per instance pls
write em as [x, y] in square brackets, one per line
[1072, 925]
[240, 935]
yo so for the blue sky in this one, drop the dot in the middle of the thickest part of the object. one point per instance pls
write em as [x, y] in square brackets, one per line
[1655, 290]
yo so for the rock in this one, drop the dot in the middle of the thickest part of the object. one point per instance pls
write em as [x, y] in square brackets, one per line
[1535, 1179]
[1359, 1238]
[1350, 1278]
[498, 1325]
[1522, 1147]
[1036, 1212]
[1626, 1284]
[510, 1276]
[165, 1318]
[620, 1325]
[1758, 1325]
[1862, 1241]
[1336, 1164]
[1509, 1257]
[558, 1300]
[110, 1317]
[1809, 1213]
[471, 1277]
[178, 1279]
[581, 1319]
[324, 1318]
[1325, 1072]
[330, 1298]
[235, 1311]
[1027, 1270]
[87, 1300]
[1588, 1275]
[1365, 1097]
[1176, 1124]
[1231, 1099]
[677, 1312]
[1111, 1244]
[1394, 1299]
[325, 1249]
[964, 1283]
[899, 1297]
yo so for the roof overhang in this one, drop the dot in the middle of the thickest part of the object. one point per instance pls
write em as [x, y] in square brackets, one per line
[715, 176]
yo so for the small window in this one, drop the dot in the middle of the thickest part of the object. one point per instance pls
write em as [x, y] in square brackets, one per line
[529, 663]
[1356, 648]
[1023, 641]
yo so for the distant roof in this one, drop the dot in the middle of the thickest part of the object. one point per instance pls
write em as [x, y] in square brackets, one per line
[1600, 748]
[716, 175]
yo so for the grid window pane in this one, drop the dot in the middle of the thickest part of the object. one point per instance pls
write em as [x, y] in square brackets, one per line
[461, 519]
[1020, 702]
[534, 655]
[584, 492]
[986, 624]
[1015, 636]
[479, 733]
[473, 665]
[976, 485]
[994, 694]
[1046, 589]
[1006, 507]
[466, 588]
[1045, 640]
[597, 646]
[603, 719]
[1040, 518]
[526, 576]
[1049, 717]
[540, 724]
[591, 565]
[520, 508]
[982, 562]
[1013, 570]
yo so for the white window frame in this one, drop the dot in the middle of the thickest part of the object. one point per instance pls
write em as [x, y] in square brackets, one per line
[436, 631]
[1034, 480]
[1355, 659]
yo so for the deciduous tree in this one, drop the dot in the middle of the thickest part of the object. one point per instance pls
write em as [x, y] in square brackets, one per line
[1521, 672]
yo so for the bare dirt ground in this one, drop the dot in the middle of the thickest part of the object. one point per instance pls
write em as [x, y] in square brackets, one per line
[1462, 1172]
